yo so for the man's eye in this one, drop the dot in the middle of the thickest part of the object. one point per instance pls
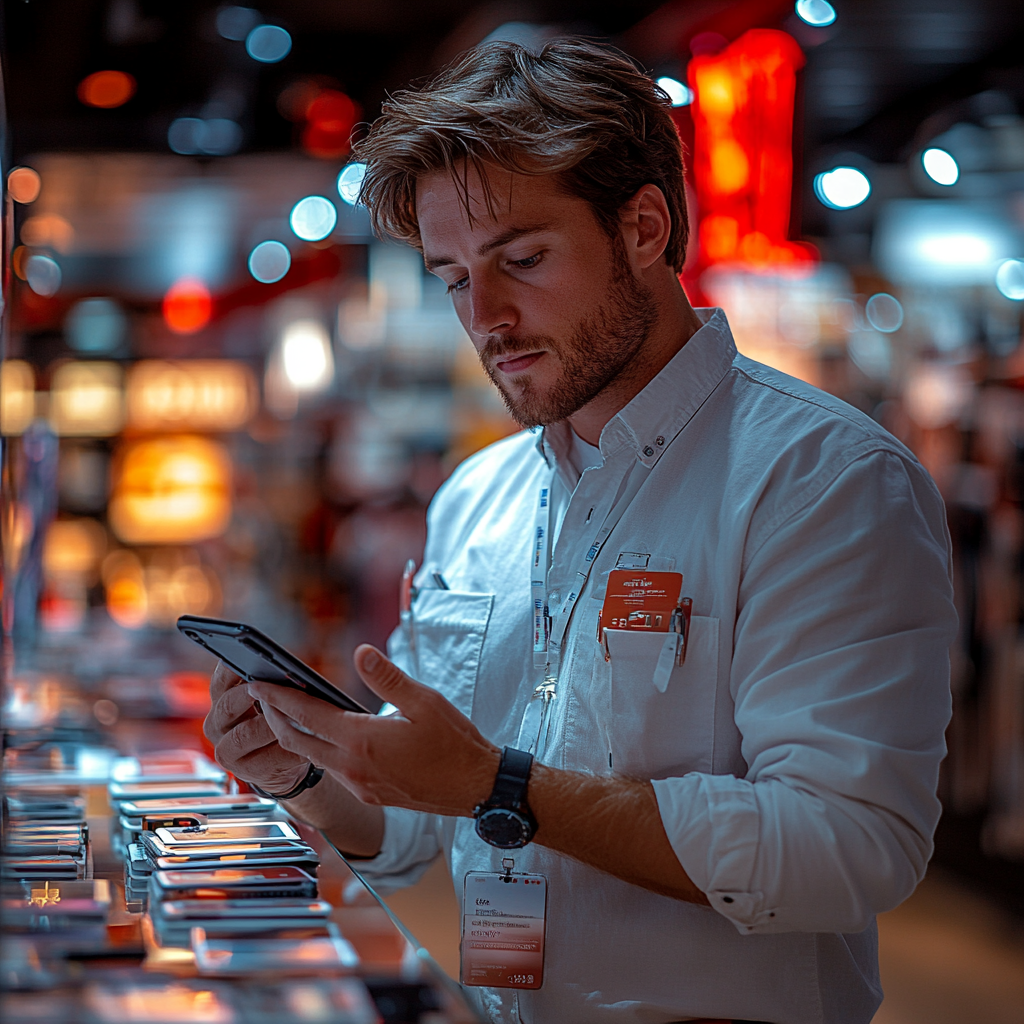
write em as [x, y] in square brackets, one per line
[529, 261]
[457, 286]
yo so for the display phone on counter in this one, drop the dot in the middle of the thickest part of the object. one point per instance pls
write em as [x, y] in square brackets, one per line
[255, 657]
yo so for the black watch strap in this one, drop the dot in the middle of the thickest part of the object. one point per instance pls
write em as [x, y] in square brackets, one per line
[309, 780]
[512, 779]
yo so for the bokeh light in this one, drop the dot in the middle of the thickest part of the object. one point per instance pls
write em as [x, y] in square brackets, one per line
[87, 399]
[269, 261]
[193, 394]
[215, 136]
[17, 395]
[268, 44]
[48, 230]
[940, 166]
[171, 490]
[313, 218]
[106, 89]
[43, 275]
[1010, 279]
[306, 355]
[350, 181]
[24, 184]
[818, 13]
[884, 312]
[330, 118]
[187, 306]
[679, 94]
[842, 188]
[95, 325]
[237, 22]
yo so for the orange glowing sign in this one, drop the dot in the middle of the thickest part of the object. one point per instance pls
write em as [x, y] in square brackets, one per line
[187, 306]
[197, 394]
[743, 150]
[87, 399]
[106, 89]
[171, 490]
[17, 395]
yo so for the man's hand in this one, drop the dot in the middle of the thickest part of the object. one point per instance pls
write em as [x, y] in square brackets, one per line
[243, 743]
[430, 757]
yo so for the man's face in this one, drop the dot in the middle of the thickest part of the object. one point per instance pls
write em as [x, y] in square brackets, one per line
[549, 300]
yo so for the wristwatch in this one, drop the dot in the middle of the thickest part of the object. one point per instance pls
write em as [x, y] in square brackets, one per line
[309, 780]
[504, 818]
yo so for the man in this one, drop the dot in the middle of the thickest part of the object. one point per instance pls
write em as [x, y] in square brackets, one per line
[716, 836]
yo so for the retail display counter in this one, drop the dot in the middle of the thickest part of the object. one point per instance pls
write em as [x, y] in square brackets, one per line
[86, 936]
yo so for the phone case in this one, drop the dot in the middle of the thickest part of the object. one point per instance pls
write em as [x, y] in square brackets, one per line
[255, 656]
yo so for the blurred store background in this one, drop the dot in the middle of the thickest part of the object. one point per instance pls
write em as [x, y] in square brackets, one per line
[221, 395]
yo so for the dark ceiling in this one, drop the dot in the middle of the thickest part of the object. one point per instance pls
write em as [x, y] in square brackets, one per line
[872, 79]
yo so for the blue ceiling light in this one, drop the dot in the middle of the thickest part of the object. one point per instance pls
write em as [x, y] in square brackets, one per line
[268, 44]
[818, 13]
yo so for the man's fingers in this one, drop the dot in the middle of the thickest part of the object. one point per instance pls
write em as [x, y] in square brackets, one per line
[232, 707]
[222, 680]
[310, 713]
[388, 681]
[245, 738]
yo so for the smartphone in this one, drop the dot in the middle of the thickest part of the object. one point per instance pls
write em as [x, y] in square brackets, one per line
[238, 804]
[229, 832]
[134, 791]
[254, 656]
[233, 883]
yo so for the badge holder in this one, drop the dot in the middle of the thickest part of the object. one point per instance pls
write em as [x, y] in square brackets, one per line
[503, 924]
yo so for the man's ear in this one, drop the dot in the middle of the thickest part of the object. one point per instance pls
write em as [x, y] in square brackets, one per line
[647, 225]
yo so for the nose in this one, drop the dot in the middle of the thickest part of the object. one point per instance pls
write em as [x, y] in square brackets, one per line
[490, 311]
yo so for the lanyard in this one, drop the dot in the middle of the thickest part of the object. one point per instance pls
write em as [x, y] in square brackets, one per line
[549, 631]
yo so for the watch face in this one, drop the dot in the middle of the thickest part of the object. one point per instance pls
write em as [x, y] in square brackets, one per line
[504, 828]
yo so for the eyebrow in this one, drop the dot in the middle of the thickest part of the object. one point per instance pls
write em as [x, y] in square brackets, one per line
[510, 235]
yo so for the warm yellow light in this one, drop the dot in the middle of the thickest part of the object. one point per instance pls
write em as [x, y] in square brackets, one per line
[17, 396]
[173, 490]
[198, 394]
[86, 400]
[73, 547]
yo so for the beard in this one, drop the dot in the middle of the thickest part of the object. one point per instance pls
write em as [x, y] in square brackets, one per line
[599, 353]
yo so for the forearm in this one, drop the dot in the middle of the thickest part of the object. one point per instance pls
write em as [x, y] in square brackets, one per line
[354, 827]
[610, 823]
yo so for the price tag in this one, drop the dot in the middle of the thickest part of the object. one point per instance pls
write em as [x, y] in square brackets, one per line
[503, 929]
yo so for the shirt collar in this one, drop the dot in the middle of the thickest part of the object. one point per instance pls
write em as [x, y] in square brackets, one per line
[650, 422]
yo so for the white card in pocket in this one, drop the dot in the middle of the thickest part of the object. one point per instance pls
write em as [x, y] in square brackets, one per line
[503, 922]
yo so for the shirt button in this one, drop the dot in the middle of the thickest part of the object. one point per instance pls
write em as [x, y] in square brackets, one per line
[659, 440]
[648, 450]
[727, 899]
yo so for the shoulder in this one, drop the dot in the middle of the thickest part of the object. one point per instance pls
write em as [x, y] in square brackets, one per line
[794, 411]
[802, 442]
[497, 474]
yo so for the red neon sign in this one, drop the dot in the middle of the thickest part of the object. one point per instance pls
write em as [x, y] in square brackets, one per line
[743, 150]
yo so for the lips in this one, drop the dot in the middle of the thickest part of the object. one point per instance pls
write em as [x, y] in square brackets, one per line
[516, 364]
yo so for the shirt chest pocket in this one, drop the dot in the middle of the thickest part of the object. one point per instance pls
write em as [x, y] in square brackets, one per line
[445, 637]
[655, 734]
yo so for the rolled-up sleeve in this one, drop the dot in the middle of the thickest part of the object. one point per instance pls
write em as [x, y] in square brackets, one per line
[840, 682]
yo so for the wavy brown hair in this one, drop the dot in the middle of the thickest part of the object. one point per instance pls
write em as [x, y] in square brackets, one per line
[576, 109]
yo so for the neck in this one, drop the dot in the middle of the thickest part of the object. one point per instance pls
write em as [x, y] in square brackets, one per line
[676, 324]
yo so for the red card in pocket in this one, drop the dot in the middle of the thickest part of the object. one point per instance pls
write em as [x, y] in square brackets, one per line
[640, 600]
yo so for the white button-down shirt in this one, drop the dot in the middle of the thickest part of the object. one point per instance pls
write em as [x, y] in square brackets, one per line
[794, 754]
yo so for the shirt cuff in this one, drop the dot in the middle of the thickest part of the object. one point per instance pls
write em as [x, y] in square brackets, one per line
[713, 825]
[409, 847]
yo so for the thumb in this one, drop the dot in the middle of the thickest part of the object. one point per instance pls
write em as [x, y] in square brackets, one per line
[390, 683]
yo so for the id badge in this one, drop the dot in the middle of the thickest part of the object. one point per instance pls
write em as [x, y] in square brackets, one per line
[503, 929]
